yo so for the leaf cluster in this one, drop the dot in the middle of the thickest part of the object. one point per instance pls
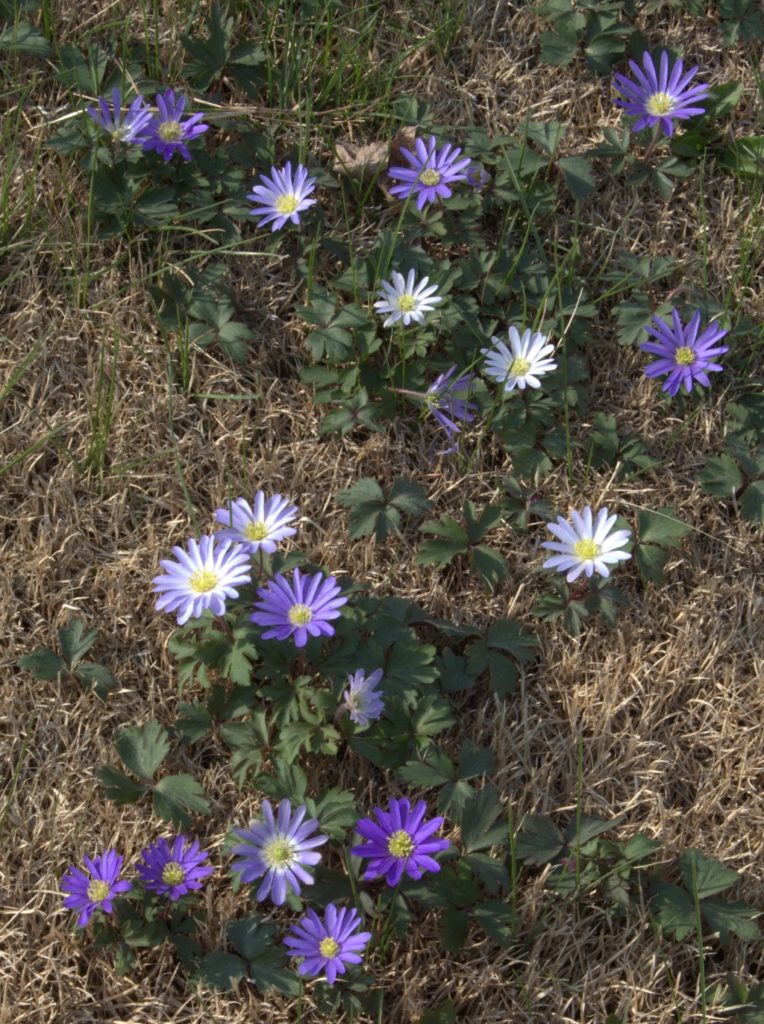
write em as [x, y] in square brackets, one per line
[75, 641]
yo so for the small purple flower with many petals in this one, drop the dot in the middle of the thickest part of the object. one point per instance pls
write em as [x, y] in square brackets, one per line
[278, 850]
[362, 699]
[257, 527]
[477, 176]
[660, 94]
[327, 945]
[173, 870]
[299, 609]
[166, 132]
[282, 197]
[124, 129]
[431, 174]
[202, 577]
[686, 356]
[400, 842]
[447, 401]
[99, 890]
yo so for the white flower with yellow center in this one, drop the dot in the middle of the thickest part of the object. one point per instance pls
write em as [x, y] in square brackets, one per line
[406, 300]
[203, 576]
[586, 544]
[259, 526]
[523, 363]
[283, 196]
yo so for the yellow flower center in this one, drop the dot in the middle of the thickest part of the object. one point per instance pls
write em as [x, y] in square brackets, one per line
[287, 204]
[203, 581]
[429, 177]
[256, 531]
[400, 844]
[328, 947]
[586, 550]
[406, 303]
[98, 890]
[170, 131]
[519, 367]
[300, 615]
[685, 356]
[279, 852]
[173, 873]
[660, 103]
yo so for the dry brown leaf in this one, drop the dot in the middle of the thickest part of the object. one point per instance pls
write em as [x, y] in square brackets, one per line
[367, 160]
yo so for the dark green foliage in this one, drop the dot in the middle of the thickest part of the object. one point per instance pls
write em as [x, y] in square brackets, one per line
[657, 533]
[75, 641]
[452, 539]
[372, 513]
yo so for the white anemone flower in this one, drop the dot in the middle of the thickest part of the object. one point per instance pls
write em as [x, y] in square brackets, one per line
[406, 300]
[586, 545]
[520, 365]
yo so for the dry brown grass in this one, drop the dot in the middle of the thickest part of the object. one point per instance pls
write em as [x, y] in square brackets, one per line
[667, 709]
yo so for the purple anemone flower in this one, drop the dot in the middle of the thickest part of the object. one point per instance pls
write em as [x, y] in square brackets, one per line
[327, 945]
[175, 870]
[686, 356]
[166, 132]
[99, 890]
[278, 850]
[447, 401]
[283, 196]
[431, 174]
[203, 577]
[124, 129]
[257, 527]
[299, 609]
[660, 95]
[400, 842]
[363, 700]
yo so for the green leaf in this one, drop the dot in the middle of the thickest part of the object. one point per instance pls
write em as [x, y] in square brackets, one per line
[452, 540]
[478, 821]
[43, 664]
[96, 677]
[673, 909]
[176, 796]
[422, 775]
[335, 810]
[723, 98]
[705, 876]
[453, 929]
[661, 527]
[444, 1013]
[75, 642]
[539, 840]
[84, 74]
[194, 721]
[506, 635]
[409, 496]
[220, 970]
[246, 740]
[557, 49]
[752, 503]
[24, 38]
[578, 174]
[498, 920]
[250, 936]
[474, 761]
[587, 827]
[745, 157]
[142, 748]
[730, 917]
[432, 716]
[479, 525]
[271, 970]
[721, 476]
[547, 135]
[119, 787]
[369, 512]
[650, 561]
[488, 563]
